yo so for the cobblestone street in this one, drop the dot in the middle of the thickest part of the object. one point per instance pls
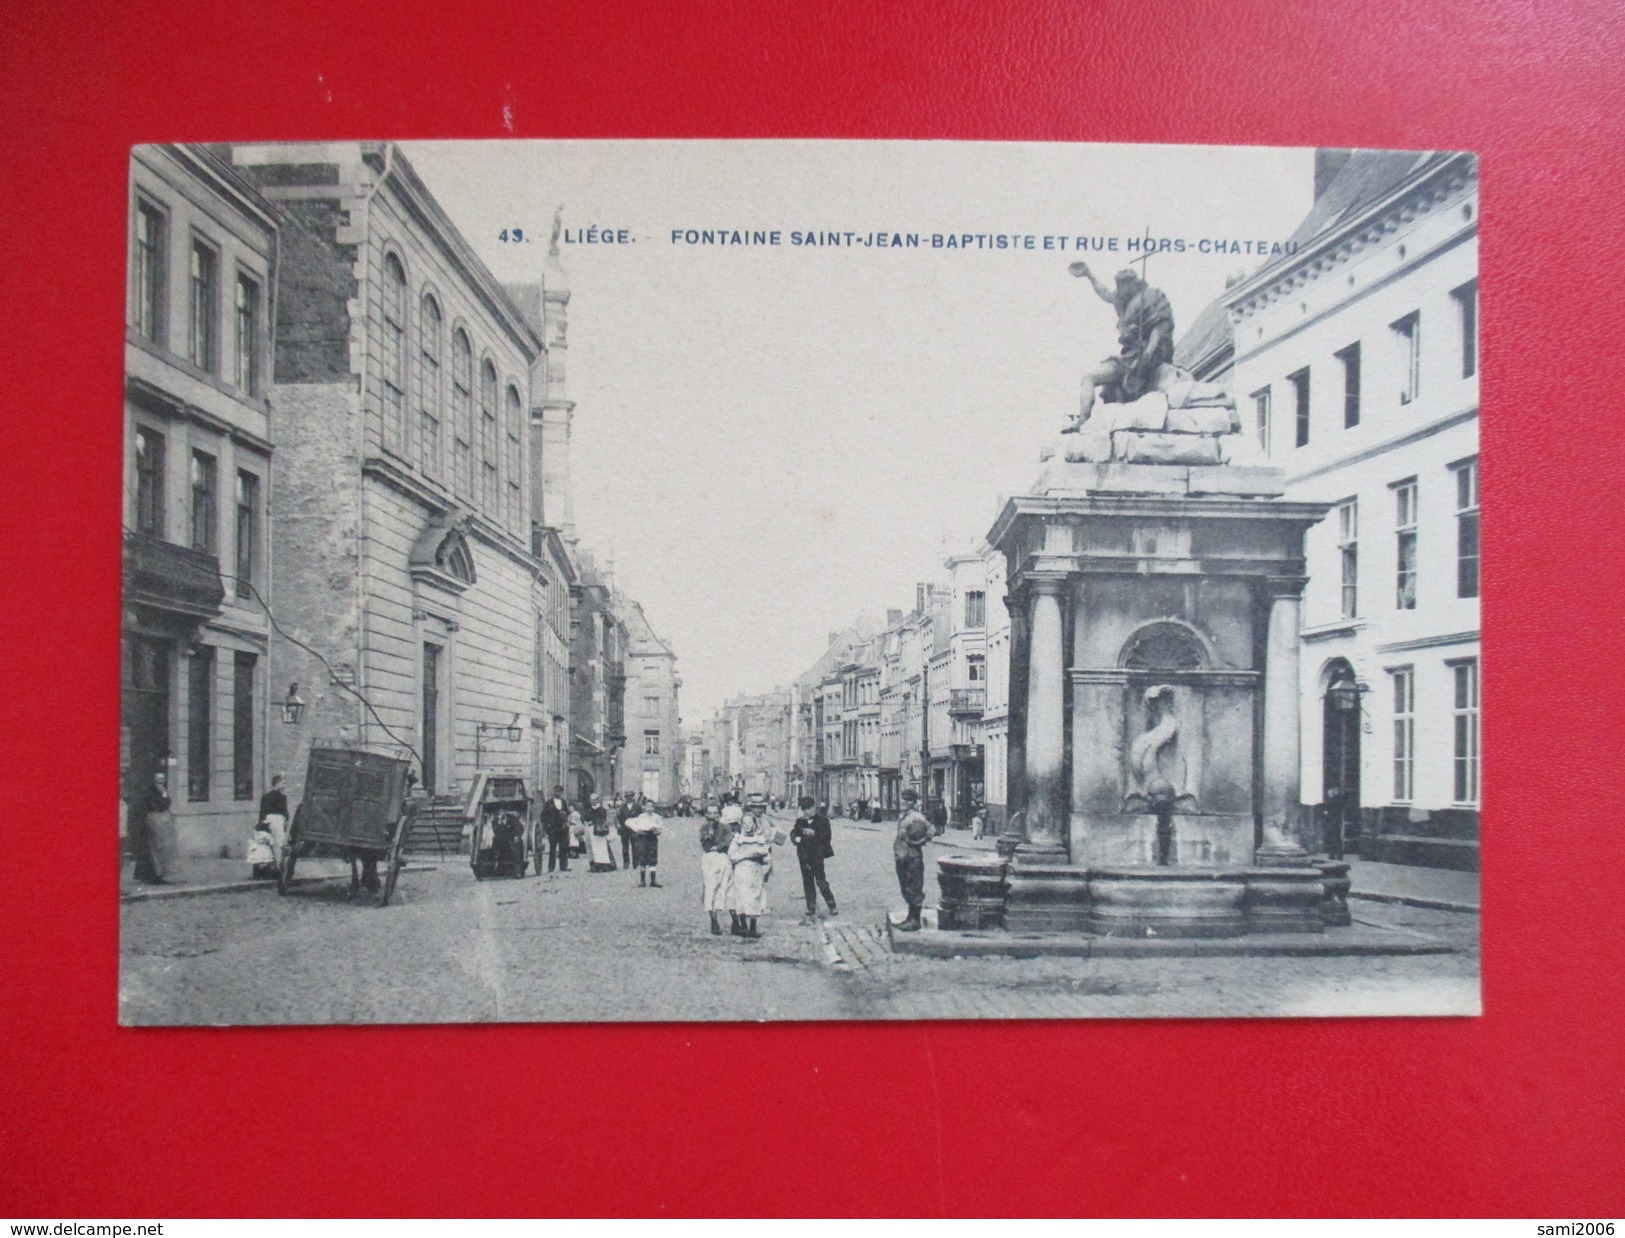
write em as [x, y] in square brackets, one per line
[588, 946]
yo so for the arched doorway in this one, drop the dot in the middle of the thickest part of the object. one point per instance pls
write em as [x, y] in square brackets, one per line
[1341, 760]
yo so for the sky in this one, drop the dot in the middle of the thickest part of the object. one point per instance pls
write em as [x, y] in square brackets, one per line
[772, 439]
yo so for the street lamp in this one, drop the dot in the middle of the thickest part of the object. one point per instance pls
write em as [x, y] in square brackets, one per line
[293, 709]
[509, 731]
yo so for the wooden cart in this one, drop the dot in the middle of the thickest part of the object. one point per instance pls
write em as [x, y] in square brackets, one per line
[355, 804]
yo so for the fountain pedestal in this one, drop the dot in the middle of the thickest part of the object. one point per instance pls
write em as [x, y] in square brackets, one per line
[1155, 673]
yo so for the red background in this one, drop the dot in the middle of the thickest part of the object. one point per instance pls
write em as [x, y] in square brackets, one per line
[1517, 1113]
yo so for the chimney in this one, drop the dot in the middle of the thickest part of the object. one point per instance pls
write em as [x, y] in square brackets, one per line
[893, 618]
[919, 598]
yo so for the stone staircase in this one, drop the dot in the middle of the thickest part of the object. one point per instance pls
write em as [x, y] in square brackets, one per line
[438, 827]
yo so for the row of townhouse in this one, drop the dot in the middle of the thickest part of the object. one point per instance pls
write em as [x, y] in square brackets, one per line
[909, 703]
[1355, 361]
[347, 513]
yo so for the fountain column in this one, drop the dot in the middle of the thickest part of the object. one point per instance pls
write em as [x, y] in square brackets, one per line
[1047, 817]
[1282, 726]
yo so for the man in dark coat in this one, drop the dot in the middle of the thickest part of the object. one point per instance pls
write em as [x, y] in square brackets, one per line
[913, 833]
[811, 835]
[556, 826]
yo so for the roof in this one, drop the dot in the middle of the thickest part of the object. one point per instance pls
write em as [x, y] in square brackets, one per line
[1365, 179]
[1205, 340]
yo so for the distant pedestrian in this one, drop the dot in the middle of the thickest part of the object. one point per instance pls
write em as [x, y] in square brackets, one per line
[716, 872]
[752, 861]
[556, 826]
[913, 833]
[812, 837]
[624, 812]
[645, 829]
[600, 855]
[274, 817]
[155, 839]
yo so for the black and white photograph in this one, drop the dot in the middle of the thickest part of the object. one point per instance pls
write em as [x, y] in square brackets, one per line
[703, 580]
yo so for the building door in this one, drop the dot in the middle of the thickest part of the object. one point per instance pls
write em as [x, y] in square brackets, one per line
[146, 711]
[651, 785]
[431, 717]
[1341, 755]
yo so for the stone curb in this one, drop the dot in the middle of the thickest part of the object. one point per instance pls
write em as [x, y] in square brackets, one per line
[235, 887]
[934, 943]
[1415, 900]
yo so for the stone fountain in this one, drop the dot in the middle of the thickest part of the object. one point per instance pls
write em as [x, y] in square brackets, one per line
[1155, 578]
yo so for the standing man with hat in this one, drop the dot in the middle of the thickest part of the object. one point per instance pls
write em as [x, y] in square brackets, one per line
[556, 826]
[812, 838]
[913, 832]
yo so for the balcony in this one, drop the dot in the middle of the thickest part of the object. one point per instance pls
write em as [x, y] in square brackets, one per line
[167, 577]
[967, 702]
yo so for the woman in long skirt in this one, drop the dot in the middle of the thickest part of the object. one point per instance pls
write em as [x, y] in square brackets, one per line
[752, 860]
[716, 873]
[600, 855]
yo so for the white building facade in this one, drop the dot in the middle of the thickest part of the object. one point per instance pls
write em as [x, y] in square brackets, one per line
[1356, 363]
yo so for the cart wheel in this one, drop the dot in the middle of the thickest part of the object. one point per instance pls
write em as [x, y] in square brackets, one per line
[395, 855]
[290, 848]
[284, 872]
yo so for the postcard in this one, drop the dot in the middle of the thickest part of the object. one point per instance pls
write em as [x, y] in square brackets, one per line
[798, 580]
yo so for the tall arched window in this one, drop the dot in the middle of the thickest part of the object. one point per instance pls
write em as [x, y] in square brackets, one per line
[490, 493]
[393, 384]
[430, 392]
[462, 413]
[514, 415]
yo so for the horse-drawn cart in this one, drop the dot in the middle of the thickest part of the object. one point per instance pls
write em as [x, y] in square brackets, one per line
[355, 805]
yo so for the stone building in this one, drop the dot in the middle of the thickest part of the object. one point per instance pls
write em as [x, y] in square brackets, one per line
[408, 583]
[653, 766]
[1355, 360]
[598, 642]
[198, 481]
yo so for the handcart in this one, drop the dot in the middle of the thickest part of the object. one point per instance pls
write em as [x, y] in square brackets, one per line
[501, 838]
[355, 804]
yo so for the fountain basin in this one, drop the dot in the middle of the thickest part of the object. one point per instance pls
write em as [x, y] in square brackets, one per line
[1141, 900]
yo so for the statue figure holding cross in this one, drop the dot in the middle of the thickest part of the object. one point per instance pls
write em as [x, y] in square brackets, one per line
[1145, 338]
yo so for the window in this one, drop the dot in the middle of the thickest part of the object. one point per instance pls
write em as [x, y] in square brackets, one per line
[1466, 298]
[975, 609]
[394, 359]
[1261, 417]
[199, 716]
[205, 272]
[1300, 393]
[514, 416]
[1467, 529]
[976, 668]
[1350, 357]
[149, 482]
[203, 502]
[540, 670]
[651, 743]
[246, 342]
[1405, 544]
[489, 494]
[462, 412]
[430, 392]
[1348, 553]
[248, 531]
[651, 707]
[147, 280]
[1465, 789]
[242, 726]
[1404, 734]
[1408, 336]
